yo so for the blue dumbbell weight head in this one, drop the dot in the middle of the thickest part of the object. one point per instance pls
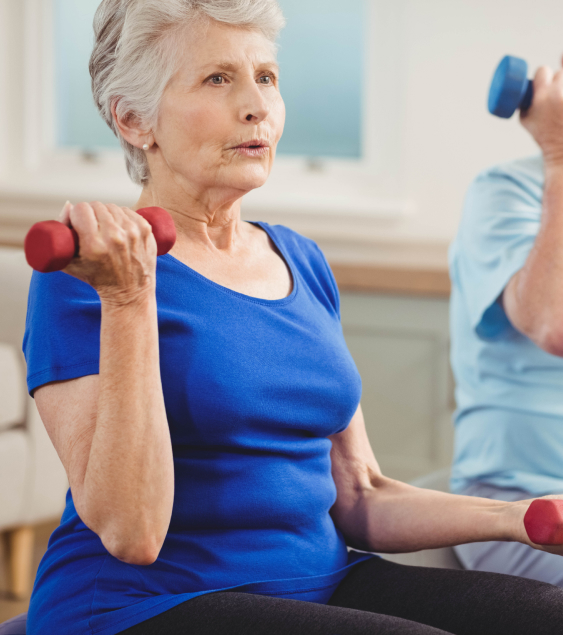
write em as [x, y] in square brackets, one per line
[511, 89]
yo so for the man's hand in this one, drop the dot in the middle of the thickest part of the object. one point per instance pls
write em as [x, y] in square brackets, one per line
[544, 119]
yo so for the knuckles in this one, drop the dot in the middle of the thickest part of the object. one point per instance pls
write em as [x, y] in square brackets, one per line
[96, 250]
[118, 239]
[114, 254]
[118, 229]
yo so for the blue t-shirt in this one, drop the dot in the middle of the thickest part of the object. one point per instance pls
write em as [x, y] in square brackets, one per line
[252, 390]
[509, 418]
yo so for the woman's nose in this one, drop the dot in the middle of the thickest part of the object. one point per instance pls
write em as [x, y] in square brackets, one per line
[254, 108]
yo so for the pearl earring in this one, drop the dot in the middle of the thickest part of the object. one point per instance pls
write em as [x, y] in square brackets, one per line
[146, 147]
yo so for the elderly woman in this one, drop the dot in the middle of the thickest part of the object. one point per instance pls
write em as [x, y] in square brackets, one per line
[205, 406]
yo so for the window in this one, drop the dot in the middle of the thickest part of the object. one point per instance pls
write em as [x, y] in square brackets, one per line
[78, 123]
[342, 154]
[322, 69]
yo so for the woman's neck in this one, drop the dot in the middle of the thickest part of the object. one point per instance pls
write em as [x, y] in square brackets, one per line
[211, 221]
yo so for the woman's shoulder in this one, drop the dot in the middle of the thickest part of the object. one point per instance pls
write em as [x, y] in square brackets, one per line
[58, 305]
[60, 291]
[62, 331]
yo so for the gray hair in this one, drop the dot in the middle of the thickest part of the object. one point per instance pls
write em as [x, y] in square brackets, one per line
[134, 56]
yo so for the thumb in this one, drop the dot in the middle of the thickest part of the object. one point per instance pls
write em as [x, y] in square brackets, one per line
[64, 216]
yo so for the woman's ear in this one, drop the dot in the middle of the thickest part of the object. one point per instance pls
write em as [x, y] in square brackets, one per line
[130, 129]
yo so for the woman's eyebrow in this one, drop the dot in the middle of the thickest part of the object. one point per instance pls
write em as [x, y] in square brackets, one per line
[269, 64]
[232, 67]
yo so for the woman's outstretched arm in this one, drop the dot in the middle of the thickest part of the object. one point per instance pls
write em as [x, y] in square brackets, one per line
[110, 430]
[380, 514]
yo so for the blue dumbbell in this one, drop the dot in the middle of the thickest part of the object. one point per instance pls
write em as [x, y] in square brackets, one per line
[511, 89]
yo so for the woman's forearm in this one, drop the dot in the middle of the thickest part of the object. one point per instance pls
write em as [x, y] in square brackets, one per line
[394, 517]
[128, 487]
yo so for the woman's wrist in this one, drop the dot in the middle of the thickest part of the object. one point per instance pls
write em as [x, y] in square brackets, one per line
[118, 300]
[513, 521]
[129, 319]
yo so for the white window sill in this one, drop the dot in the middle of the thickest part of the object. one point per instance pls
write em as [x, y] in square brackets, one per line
[333, 189]
[337, 201]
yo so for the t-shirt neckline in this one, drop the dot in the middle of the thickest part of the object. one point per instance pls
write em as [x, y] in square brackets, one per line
[242, 296]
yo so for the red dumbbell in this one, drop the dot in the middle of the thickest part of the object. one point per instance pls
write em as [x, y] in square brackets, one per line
[544, 522]
[50, 245]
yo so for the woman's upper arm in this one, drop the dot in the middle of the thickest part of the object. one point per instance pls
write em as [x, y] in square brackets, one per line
[354, 466]
[68, 410]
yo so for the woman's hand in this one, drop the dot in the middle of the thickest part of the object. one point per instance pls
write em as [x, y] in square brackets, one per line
[117, 253]
[544, 119]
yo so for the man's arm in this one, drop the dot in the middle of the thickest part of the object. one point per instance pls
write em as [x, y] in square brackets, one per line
[533, 298]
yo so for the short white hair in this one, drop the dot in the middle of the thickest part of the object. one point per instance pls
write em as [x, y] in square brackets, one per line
[135, 57]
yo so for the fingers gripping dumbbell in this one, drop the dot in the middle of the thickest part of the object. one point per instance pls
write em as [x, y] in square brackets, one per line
[50, 245]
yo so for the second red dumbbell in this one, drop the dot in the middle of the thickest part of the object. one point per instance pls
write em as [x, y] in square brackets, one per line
[50, 245]
[544, 522]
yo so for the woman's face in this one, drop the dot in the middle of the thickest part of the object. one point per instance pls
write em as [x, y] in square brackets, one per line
[224, 96]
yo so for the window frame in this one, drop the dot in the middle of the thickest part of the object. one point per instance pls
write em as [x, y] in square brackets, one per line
[368, 188]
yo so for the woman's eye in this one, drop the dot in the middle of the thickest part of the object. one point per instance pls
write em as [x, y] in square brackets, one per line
[219, 80]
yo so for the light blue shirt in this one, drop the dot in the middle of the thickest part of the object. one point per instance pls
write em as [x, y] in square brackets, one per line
[509, 418]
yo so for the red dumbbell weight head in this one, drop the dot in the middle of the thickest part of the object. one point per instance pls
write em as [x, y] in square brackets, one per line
[544, 522]
[163, 227]
[50, 245]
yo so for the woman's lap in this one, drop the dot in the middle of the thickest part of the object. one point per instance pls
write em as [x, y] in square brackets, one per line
[460, 602]
[231, 613]
[379, 598]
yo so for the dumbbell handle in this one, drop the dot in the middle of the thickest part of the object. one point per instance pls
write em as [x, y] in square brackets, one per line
[51, 246]
[528, 96]
[544, 522]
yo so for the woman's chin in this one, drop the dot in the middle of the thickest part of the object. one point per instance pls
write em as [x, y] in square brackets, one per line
[250, 178]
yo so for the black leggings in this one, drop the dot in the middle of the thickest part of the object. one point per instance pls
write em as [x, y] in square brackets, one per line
[378, 597]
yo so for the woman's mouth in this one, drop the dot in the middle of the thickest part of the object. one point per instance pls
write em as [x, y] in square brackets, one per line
[253, 151]
[254, 148]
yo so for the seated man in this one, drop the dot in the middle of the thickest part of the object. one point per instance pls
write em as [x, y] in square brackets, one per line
[506, 266]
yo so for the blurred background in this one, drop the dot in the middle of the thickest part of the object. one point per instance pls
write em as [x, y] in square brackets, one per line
[386, 127]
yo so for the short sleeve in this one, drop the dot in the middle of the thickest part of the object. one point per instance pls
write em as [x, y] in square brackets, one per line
[62, 334]
[331, 285]
[500, 223]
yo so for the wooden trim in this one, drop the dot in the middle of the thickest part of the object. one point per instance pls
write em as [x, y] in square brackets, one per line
[368, 278]
[13, 243]
[397, 268]
[406, 281]
[19, 551]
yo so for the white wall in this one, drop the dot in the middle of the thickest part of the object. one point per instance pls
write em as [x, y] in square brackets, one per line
[451, 48]
[11, 70]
